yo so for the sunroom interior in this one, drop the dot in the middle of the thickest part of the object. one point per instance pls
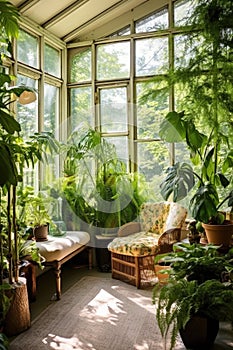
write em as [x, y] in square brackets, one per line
[89, 64]
[93, 65]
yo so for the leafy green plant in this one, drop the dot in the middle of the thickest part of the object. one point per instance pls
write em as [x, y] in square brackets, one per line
[4, 342]
[198, 262]
[96, 184]
[182, 177]
[204, 106]
[34, 208]
[179, 300]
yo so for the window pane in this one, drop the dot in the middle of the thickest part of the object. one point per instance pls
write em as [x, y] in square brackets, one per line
[81, 107]
[185, 50]
[121, 144]
[51, 109]
[113, 61]
[27, 116]
[52, 62]
[182, 11]
[157, 21]
[27, 49]
[151, 112]
[81, 66]
[50, 171]
[153, 159]
[113, 109]
[121, 32]
[151, 56]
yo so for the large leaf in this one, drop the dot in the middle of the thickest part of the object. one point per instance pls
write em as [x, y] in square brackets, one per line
[172, 129]
[8, 122]
[204, 203]
[8, 171]
[179, 181]
[194, 138]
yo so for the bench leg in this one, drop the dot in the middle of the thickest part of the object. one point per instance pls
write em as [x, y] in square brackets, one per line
[90, 254]
[57, 271]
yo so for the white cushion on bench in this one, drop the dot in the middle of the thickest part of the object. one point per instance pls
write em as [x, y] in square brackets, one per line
[58, 247]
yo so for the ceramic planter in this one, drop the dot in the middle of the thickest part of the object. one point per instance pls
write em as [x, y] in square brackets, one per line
[200, 333]
[41, 233]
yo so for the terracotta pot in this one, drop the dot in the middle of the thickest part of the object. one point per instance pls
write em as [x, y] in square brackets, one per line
[200, 333]
[41, 233]
[162, 277]
[219, 234]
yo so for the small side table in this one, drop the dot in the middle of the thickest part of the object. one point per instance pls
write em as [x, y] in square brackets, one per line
[103, 255]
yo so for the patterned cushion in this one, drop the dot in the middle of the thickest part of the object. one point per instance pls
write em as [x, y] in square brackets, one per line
[140, 243]
[176, 217]
[155, 219]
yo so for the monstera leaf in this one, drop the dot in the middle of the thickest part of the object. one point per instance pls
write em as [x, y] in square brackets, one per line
[179, 181]
[204, 203]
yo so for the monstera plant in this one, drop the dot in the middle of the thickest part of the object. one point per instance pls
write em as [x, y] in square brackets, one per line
[203, 116]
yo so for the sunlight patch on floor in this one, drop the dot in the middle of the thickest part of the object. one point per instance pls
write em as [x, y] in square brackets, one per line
[60, 343]
[103, 308]
[135, 297]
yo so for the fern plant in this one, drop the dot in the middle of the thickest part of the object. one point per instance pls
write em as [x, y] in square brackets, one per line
[179, 300]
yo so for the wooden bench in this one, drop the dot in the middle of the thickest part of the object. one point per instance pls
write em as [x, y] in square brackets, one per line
[59, 249]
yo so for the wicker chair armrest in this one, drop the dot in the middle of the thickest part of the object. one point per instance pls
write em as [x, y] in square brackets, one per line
[129, 228]
[168, 238]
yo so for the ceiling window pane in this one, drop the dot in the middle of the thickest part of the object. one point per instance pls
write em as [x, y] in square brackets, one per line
[156, 21]
[182, 11]
[81, 66]
[151, 56]
[27, 49]
[52, 61]
[121, 32]
[113, 61]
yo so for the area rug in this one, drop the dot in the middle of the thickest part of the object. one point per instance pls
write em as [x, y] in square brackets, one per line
[97, 314]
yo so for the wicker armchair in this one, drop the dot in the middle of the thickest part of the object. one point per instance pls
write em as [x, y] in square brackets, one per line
[137, 243]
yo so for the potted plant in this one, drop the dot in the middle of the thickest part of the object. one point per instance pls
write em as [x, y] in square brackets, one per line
[204, 120]
[197, 262]
[199, 292]
[15, 154]
[184, 304]
[96, 183]
[34, 212]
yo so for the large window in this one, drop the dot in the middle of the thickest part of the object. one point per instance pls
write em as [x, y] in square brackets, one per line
[110, 82]
[43, 115]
